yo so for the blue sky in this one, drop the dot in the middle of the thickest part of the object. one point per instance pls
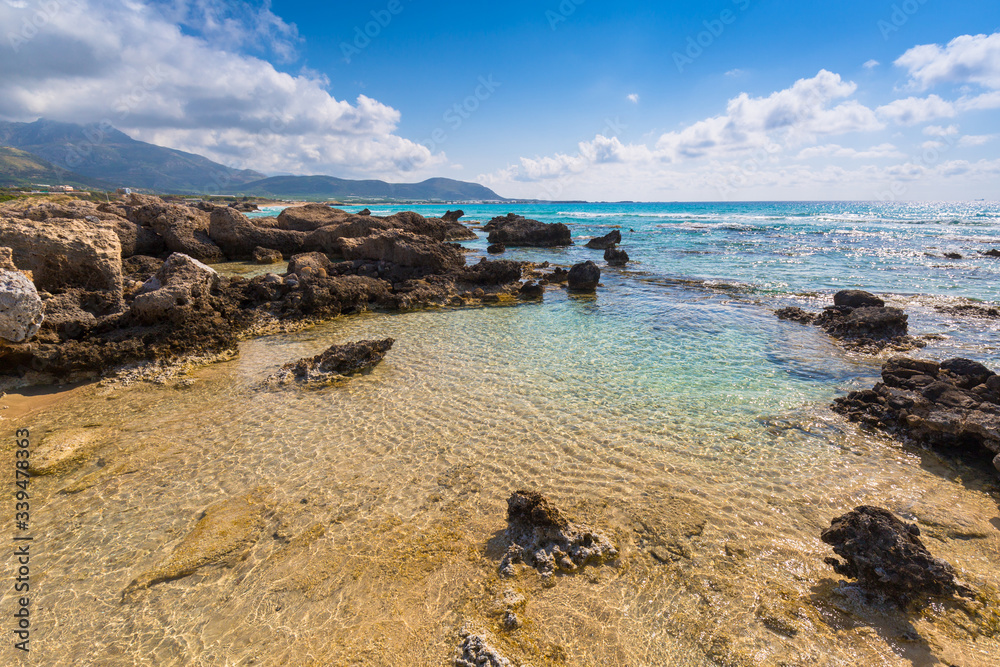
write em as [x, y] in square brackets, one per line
[582, 99]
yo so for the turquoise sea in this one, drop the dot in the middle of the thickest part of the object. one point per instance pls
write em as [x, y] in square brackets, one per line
[672, 410]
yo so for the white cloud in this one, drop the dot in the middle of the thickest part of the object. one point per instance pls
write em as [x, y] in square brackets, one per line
[735, 73]
[939, 131]
[915, 110]
[932, 144]
[966, 59]
[145, 70]
[885, 150]
[976, 139]
[871, 64]
[980, 102]
[633, 98]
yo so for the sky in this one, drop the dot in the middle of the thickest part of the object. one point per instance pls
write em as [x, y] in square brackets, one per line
[556, 99]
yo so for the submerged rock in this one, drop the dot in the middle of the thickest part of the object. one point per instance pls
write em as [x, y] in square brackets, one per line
[584, 277]
[223, 535]
[609, 240]
[795, 314]
[516, 230]
[953, 406]
[541, 537]
[335, 362]
[475, 651]
[886, 556]
[20, 307]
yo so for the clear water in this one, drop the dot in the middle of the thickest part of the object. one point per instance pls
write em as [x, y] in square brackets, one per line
[672, 410]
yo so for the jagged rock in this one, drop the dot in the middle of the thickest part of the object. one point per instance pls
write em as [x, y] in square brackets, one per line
[496, 248]
[584, 277]
[69, 313]
[496, 272]
[238, 237]
[141, 267]
[855, 298]
[223, 536]
[453, 216]
[184, 229]
[310, 263]
[405, 249]
[475, 651]
[615, 256]
[543, 538]
[795, 314]
[970, 310]
[243, 206]
[887, 557]
[953, 406]
[267, 256]
[992, 252]
[20, 307]
[335, 362]
[64, 254]
[7, 259]
[310, 217]
[531, 290]
[558, 275]
[516, 230]
[609, 240]
[174, 292]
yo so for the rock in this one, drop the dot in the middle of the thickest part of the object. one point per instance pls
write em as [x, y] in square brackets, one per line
[496, 248]
[310, 217]
[7, 259]
[184, 229]
[223, 536]
[62, 448]
[867, 322]
[515, 230]
[69, 313]
[543, 538]
[64, 254]
[336, 362]
[952, 255]
[475, 651]
[267, 256]
[853, 298]
[20, 307]
[243, 206]
[795, 314]
[174, 293]
[953, 406]
[315, 263]
[141, 267]
[970, 310]
[531, 290]
[238, 237]
[993, 252]
[436, 228]
[615, 256]
[365, 211]
[405, 249]
[558, 275]
[887, 557]
[609, 240]
[453, 216]
[496, 272]
[584, 277]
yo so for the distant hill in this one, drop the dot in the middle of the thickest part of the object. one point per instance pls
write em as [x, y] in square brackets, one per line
[329, 187]
[21, 168]
[115, 158]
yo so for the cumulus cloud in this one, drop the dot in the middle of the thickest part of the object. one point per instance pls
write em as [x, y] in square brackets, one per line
[914, 110]
[147, 70]
[940, 131]
[885, 150]
[965, 59]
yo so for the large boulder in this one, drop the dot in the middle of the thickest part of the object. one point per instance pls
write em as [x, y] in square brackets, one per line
[584, 277]
[238, 237]
[886, 556]
[404, 249]
[861, 321]
[516, 230]
[609, 240]
[496, 272]
[953, 406]
[310, 217]
[855, 298]
[20, 307]
[184, 229]
[64, 254]
[174, 291]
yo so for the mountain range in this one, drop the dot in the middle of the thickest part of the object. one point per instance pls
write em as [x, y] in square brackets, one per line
[101, 157]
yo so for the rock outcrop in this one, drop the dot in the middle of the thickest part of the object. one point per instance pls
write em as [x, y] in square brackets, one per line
[310, 217]
[179, 287]
[496, 248]
[516, 230]
[266, 256]
[404, 249]
[476, 651]
[865, 326]
[952, 406]
[616, 256]
[20, 307]
[238, 237]
[609, 240]
[583, 277]
[335, 362]
[183, 229]
[886, 556]
[541, 537]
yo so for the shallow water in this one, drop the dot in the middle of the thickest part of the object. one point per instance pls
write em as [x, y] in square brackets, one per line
[680, 417]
